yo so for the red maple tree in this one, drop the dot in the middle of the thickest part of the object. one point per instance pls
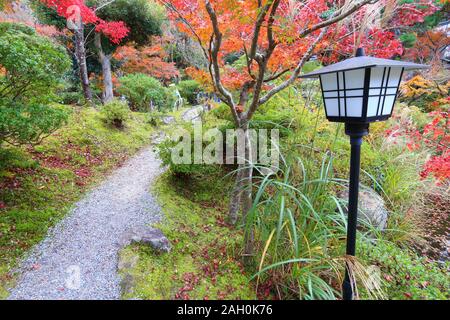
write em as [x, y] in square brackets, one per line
[78, 15]
[77, 11]
[276, 38]
[148, 59]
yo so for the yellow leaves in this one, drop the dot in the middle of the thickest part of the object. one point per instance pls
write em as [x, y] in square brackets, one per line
[418, 86]
[6, 5]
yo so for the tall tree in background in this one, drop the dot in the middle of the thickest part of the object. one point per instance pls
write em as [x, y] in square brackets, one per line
[143, 19]
[277, 37]
[77, 16]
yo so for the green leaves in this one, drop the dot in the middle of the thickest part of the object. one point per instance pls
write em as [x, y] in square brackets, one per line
[142, 90]
[32, 67]
[21, 124]
[116, 113]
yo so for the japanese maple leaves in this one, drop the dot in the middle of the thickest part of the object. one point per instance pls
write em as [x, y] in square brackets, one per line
[370, 26]
[76, 11]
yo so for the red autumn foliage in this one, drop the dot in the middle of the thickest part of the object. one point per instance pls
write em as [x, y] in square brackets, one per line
[114, 30]
[236, 21]
[435, 137]
[74, 10]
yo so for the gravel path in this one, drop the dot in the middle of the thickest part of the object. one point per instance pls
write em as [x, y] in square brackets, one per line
[78, 259]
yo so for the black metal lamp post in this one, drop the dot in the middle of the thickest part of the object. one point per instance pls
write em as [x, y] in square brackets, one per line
[358, 91]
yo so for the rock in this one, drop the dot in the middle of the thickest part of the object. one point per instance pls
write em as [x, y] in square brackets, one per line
[127, 261]
[127, 283]
[168, 119]
[158, 137]
[149, 236]
[193, 114]
[371, 207]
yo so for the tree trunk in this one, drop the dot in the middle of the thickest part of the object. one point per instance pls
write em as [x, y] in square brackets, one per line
[247, 198]
[241, 195]
[80, 53]
[105, 61]
[235, 199]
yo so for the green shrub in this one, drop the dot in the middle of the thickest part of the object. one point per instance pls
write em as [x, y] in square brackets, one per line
[15, 27]
[164, 150]
[299, 227]
[269, 116]
[222, 111]
[116, 113]
[33, 68]
[71, 97]
[188, 90]
[171, 97]
[155, 118]
[408, 39]
[29, 124]
[141, 90]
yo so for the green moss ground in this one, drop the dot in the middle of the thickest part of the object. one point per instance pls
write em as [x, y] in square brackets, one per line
[39, 185]
[203, 261]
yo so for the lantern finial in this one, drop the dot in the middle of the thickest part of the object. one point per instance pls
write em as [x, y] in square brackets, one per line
[359, 52]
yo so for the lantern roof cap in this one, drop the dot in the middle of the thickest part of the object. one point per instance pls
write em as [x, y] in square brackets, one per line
[362, 62]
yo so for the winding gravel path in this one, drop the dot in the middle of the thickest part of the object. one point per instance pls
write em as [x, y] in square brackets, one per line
[78, 259]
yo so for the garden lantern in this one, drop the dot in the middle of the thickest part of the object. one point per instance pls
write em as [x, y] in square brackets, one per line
[358, 91]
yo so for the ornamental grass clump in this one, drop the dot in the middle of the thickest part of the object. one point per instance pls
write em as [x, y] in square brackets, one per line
[298, 231]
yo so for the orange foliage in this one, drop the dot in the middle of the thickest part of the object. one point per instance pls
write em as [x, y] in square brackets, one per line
[428, 47]
[201, 77]
[12, 12]
[236, 21]
[148, 60]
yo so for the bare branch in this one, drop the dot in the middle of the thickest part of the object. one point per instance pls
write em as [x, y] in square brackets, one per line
[258, 24]
[336, 18]
[270, 37]
[324, 26]
[276, 75]
[170, 6]
[297, 70]
[243, 98]
[262, 62]
[103, 5]
[215, 44]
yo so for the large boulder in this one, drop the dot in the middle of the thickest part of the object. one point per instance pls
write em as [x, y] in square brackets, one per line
[371, 207]
[149, 236]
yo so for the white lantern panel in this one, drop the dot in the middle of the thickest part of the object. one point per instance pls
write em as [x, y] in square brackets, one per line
[329, 81]
[342, 107]
[343, 92]
[341, 81]
[354, 93]
[394, 77]
[354, 79]
[332, 94]
[372, 106]
[332, 107]
[376, 92]
[392, 91]
[388, 104]
[376, 77]
[354, 107]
